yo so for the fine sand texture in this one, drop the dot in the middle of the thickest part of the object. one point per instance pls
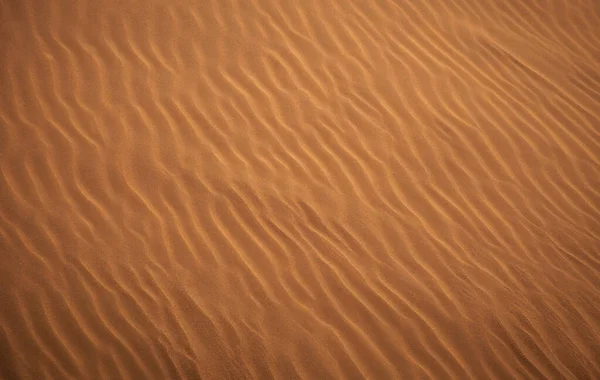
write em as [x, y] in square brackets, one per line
[309, 189]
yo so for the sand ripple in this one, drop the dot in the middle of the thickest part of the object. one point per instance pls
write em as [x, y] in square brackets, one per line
[300, 190]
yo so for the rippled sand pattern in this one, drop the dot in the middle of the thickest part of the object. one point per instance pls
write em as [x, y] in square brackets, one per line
[228, 189]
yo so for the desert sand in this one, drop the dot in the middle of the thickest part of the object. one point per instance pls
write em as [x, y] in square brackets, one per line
[271, 189]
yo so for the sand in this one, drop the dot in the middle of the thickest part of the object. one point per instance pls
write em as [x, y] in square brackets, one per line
[228, 189]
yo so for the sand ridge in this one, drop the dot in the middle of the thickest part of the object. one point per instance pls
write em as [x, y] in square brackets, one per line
[299, 190]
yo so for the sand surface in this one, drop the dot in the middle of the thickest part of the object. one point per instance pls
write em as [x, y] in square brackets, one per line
[277, 189]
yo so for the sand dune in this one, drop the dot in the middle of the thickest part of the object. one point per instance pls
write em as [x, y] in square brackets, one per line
[300, 190]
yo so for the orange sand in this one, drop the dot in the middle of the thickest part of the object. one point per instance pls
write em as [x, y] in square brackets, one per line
[300, 189]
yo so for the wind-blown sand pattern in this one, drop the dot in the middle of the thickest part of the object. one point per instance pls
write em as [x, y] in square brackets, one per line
[300, 190]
